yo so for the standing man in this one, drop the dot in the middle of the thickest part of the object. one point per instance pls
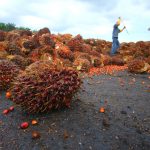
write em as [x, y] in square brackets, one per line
[115, 43]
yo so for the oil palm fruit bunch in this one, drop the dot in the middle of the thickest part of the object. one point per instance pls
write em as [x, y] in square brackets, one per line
[2, 35]
[92, 42]
[105, 60]
[3, 54]
[137, 66]
[84, 56]
[14, 49]
[46, 39]
[117, 61]
[75, 44]
[86, 48]
[19, 60]
[96, 62]
[82, 65]
[29, 44]
[65, 52]
[25, 33]
[43, 31]
[8, 71]
[35, 55]
[46, 49]
[45, 89]
[12, 36]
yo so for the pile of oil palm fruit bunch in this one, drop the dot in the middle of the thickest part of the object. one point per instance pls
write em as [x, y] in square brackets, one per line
[41, 69]
[24, 47]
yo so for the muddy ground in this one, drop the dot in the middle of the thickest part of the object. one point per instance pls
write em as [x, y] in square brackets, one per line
[125, 125]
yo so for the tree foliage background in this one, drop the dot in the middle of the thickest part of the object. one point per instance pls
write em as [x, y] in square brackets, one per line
[10, 27]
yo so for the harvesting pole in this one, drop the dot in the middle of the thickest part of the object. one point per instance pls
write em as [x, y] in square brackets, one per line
[123, 24]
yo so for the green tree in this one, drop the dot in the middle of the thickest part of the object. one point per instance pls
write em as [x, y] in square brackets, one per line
[2, 26]
[23, 28]
[11, 26]
[7, 27]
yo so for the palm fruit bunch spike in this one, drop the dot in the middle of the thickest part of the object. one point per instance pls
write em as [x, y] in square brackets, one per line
[45, 89]
[8, 71]
[66, 53]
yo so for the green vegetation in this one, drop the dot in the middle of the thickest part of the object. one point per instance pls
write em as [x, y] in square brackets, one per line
[10, 27]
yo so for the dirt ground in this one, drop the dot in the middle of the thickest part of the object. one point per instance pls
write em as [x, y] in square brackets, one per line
[125, 124]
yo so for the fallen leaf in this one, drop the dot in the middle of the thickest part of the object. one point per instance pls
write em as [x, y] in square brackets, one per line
[106, 122]
[11, 108]
[6, 111]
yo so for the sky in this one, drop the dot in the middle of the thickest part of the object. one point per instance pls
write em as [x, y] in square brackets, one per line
[89, 18]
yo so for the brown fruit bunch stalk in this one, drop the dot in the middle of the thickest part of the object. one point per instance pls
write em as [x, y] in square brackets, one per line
[45, 89]
[8, 70]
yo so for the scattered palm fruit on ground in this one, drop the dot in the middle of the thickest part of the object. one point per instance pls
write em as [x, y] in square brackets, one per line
[35, 135]
[8, 71]
[42, 90]
[6, 111]
[34, 122]
[24, 125]
[102, 109]
[8, 95]
[11, 108]
[110, 69]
